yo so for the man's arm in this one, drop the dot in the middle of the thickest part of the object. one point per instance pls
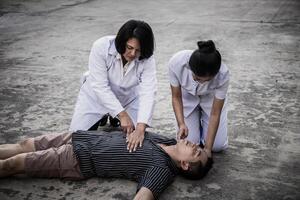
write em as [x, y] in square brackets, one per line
[144, 194]
[154, 182]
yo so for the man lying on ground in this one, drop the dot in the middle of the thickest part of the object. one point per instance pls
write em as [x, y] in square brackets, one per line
[81, 155]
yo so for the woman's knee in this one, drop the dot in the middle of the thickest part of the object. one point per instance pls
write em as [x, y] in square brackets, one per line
[219, 148]
[220, 145]
[221, 140]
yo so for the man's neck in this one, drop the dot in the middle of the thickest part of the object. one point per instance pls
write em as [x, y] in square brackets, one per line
[171, 151]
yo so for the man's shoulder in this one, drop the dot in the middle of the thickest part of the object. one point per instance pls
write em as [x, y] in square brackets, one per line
[157, 179]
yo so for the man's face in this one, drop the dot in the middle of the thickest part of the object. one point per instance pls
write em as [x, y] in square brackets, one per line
[191, 152]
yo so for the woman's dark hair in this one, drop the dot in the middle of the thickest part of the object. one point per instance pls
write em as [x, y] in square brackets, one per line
[197, 170]
[139, 30]
[206, 60]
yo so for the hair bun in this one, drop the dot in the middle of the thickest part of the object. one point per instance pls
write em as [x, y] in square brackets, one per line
[206, 46]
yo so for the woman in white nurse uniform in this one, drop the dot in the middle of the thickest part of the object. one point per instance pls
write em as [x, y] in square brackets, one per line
[121, 82]
[199, 84]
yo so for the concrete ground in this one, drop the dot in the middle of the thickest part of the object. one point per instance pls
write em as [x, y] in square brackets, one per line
[44, 48]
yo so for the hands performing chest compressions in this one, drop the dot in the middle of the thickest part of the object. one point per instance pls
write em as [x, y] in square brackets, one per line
[134, 136]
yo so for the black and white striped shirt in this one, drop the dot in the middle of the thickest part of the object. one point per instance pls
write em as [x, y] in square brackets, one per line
[105, 154]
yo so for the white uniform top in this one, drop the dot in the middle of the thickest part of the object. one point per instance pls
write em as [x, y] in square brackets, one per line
[181, 75]
[108, 89]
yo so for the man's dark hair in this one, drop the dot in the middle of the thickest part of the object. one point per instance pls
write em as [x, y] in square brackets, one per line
[197, 170]
[139, 30]
[206, 60]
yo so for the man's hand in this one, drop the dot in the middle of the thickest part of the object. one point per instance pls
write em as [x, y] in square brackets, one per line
[126, 122]
[136, 138]
[182, 132]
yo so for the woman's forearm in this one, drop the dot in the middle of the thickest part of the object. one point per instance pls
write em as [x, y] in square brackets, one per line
[212, 131]
[213, 123]
[178, 110]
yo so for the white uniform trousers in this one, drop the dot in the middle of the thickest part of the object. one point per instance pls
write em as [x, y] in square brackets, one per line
[199, 118]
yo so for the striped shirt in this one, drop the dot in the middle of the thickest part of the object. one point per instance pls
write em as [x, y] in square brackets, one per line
[105, 154]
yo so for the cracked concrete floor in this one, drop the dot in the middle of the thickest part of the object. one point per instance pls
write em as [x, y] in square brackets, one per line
[44, 50]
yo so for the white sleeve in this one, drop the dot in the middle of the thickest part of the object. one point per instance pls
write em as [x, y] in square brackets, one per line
[147, 92]
[99, 79]
[172, 75]
[221, 91]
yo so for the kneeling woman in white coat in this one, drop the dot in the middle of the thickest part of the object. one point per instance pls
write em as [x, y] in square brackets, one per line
[199, 83]
[121, 82]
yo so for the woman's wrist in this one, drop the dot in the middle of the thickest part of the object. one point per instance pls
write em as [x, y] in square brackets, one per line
[208, 152]
[122, 113]
[181, 123]
[141, 127]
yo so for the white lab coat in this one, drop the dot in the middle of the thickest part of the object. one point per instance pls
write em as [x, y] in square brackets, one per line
[197, 98]
[107, 89]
